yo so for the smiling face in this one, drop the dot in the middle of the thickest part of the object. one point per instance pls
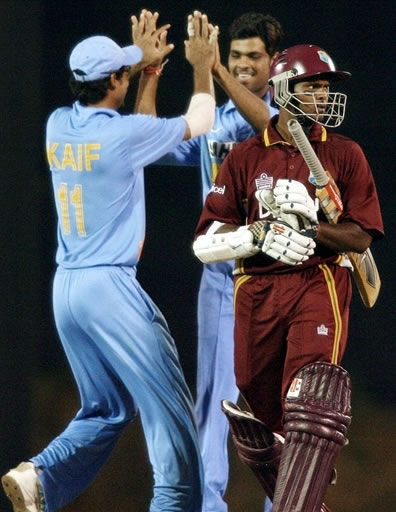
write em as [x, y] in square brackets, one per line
[249, 63]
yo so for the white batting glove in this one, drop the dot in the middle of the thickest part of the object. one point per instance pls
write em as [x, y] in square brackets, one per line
[267, 200]
[292, 197]
[285, 244]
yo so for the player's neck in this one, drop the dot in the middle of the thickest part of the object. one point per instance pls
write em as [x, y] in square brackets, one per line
[111, 101]
[281, 127]
[105, 104]
[262, 92]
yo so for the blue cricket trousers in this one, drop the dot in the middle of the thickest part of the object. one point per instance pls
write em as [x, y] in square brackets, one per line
[124, 360]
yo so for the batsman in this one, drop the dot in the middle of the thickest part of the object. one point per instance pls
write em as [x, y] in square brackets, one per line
[297, 241]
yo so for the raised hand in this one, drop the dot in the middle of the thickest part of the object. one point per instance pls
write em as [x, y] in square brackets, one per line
[152, 40]
[201, 46]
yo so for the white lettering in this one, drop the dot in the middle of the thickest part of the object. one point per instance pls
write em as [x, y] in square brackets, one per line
[217, 190]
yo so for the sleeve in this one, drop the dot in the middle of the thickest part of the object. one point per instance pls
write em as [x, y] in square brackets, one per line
[224, 202]
[186, 153]
[151, 137]
[359, 193]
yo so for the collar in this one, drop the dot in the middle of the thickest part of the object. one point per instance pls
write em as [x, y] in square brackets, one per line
[271, 136]
[86, 112]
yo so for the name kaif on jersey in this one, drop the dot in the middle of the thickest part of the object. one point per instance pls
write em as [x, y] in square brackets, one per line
[77, 157]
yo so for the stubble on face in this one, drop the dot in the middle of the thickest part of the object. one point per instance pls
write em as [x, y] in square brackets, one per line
[249, 63]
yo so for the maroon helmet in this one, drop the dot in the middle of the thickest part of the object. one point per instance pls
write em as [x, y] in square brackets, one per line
[305, 62]
[309, 61]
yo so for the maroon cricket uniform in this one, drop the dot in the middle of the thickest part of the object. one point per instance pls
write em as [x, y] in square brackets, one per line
[288, 316]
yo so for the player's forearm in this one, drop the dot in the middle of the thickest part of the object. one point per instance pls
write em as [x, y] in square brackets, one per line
[146, 94]
[251, 107]
[343, 237]
[203, 80]
[201, 111]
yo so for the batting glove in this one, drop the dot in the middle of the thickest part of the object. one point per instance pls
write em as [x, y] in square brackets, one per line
[292, 197]
[285, 244]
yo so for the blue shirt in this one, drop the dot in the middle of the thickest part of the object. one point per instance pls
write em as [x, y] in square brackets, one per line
[96, 157]
[208, 151]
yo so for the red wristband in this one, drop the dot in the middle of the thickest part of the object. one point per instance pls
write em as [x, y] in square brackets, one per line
[153, 70]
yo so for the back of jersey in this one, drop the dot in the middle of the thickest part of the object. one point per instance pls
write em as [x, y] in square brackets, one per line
[97, 189]
[96, 157]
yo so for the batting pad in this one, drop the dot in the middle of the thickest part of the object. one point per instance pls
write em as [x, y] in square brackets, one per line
[256, 445]
[317, 415]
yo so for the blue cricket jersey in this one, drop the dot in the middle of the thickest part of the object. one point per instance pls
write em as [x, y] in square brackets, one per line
[96, 157]
[208, 151]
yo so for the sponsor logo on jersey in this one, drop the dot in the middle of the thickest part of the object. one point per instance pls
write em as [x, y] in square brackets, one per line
[295, 388]
[217, 190]
[264, 181]
[220, 150]
[322, 330]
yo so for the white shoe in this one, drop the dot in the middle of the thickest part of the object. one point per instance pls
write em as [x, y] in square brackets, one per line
[23, 488]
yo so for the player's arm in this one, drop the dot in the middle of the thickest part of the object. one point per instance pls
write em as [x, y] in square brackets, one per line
[290, 201]
[343, 237]
[146, 95]
[251, 107]
[219, 239]
[150, 39]
[155, 48]
[276, 239]
[200, 49]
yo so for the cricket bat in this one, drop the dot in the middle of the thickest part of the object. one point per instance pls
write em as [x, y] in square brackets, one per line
[365, 272]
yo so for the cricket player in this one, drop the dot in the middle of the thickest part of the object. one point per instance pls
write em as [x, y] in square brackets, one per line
[116, 340]
[292, 281]
[254, 42]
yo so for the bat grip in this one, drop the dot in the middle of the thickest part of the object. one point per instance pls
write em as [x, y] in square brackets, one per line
[309, 155]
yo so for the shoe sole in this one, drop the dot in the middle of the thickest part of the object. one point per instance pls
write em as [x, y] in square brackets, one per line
[15, 495]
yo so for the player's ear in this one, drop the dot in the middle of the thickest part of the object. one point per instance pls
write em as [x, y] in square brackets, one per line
[113, 79]
[274, 57]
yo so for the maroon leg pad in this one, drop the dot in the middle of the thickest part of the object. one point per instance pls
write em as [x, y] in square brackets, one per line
[256, 445]
[317, 414]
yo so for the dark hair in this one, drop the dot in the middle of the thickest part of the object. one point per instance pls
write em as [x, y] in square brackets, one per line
[89, 93]
[255, 24]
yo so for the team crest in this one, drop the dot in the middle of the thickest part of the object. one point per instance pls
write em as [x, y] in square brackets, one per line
[323, 56]
[264, 181]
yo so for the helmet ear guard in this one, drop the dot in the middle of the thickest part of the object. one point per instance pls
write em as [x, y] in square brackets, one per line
[281, 87]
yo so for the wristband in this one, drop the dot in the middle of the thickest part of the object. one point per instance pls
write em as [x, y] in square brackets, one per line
[312, 231]
[154, 70]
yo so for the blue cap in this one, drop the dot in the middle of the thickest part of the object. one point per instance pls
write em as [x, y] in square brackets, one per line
[97, 57]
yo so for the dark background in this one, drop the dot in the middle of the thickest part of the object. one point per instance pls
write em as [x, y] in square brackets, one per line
[37, 393]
